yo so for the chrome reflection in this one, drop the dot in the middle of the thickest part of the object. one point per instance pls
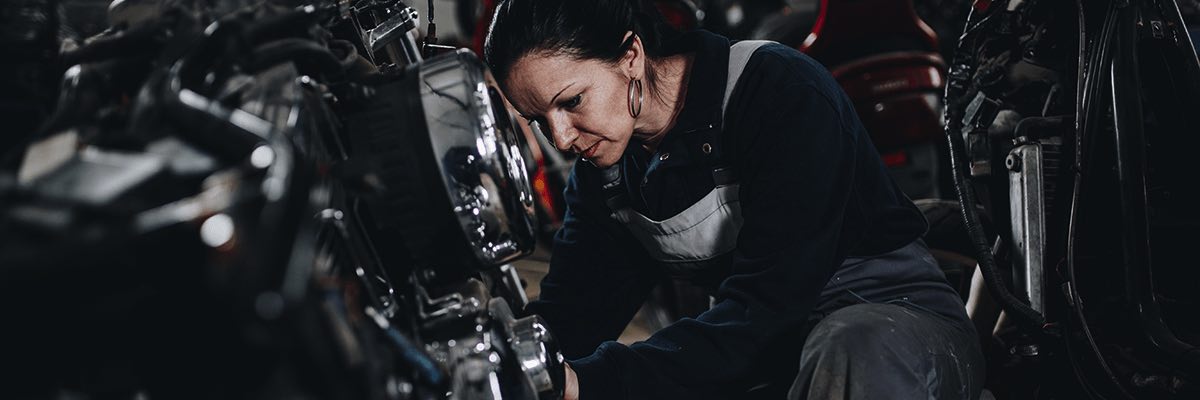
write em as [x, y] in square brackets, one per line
[478, 146]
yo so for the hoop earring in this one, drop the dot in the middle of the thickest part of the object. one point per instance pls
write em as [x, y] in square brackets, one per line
[635, 83]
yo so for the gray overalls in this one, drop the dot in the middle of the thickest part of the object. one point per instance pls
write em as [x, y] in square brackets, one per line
[706, 230]
[919, 354]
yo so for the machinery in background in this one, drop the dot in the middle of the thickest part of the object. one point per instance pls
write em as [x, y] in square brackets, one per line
[1070, 125]
[886, 59]
[29, 35]
[271, 199]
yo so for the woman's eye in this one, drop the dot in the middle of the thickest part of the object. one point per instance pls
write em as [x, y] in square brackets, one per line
[572, 102]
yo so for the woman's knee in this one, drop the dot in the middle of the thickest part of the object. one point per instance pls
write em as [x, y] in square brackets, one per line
[869, 350]
[858, 329]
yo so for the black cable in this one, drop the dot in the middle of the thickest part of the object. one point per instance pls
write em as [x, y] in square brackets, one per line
[351, 53]
[1077, 371]
[1025, 315]
[141, 40]
[1083, 118]
[1075, 298]
[295, 23]
[301, 51]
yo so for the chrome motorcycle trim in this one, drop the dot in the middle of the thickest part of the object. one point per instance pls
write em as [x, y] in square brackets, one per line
[384, 26]
[533, 347]
[467, 299]
[478, 148]
[483, 342]
[1027, 206]
[512, 281]
[476, 379]
[980, 114]
[404, 21]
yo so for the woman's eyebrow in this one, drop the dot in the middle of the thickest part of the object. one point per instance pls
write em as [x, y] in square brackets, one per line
[560, 92]
[550, 104]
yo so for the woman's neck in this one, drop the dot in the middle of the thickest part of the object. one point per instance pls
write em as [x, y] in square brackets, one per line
[662, 111]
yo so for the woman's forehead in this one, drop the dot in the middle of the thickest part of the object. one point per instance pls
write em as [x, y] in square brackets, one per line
[537, 77]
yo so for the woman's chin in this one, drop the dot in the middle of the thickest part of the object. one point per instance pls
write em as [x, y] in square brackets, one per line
[604, 155]
[601, 164]
[602, 161]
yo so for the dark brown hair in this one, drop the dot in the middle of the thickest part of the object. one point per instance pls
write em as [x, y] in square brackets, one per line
[585, 29]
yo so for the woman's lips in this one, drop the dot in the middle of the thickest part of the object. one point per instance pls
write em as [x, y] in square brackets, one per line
[590, 152]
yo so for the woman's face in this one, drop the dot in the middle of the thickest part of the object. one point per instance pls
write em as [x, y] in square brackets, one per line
[582, 105]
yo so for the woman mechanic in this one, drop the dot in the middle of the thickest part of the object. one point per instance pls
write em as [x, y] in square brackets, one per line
[745, 169]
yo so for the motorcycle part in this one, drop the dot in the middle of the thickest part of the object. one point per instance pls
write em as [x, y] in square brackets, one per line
[443, 128]
[1027, 204]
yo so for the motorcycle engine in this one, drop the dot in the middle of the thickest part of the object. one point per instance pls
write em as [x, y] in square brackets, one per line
[451, 183]
[239, 203]
[492, 354]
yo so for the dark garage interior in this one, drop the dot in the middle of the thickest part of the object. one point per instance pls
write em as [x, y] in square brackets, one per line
[365, 199]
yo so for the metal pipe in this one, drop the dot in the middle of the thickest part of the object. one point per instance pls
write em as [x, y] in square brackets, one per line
[1027, 207]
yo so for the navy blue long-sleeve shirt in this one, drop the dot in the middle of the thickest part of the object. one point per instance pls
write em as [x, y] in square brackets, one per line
[813, 191]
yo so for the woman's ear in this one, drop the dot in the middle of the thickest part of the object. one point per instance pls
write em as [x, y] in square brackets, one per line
[633, 64]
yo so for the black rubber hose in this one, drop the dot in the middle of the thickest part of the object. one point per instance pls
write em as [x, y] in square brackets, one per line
[349, 53]
[229, 134]
[1083, 121]
[303, 52]
[137, 41]
[1024, 315]
[296, 23]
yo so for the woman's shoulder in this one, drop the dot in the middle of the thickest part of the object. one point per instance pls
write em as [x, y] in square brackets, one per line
[784, 71]
[786, 98]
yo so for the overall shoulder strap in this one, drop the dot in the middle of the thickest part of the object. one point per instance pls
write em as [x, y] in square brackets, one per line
[739, 55]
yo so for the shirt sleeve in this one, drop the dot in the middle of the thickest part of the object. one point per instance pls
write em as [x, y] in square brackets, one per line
[796, 161]
[597, 280]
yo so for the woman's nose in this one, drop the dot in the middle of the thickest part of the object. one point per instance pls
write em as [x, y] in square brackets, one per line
[562, 133]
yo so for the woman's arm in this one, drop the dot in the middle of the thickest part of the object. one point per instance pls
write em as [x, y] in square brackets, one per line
[597, 281]
[797, 167]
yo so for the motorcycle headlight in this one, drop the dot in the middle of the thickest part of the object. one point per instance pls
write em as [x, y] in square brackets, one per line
[479, 150]
[446, 158]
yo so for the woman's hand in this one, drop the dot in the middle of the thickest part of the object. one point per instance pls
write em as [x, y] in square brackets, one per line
[571, 391]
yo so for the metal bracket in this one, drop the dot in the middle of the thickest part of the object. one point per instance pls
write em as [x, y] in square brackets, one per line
[978, 117]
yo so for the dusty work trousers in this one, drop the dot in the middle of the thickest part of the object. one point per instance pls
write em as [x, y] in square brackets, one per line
[888, 351]
[881, 344]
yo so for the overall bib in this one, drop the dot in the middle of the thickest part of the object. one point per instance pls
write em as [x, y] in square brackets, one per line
[696, 237]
